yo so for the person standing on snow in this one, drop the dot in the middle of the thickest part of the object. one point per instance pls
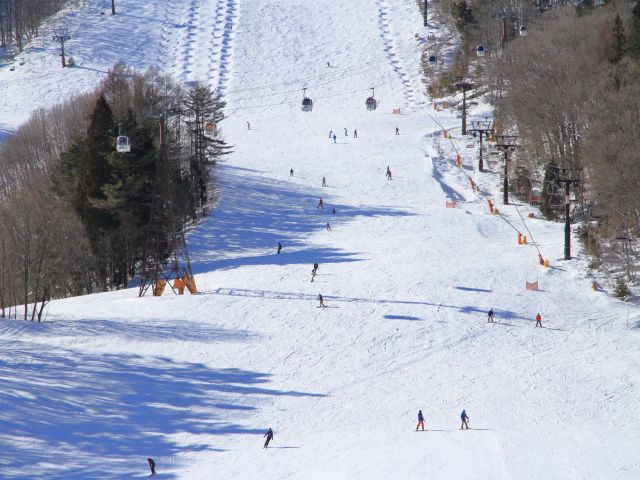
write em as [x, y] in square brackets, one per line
[321, 300]
[313, 274]
[355, 133]
[324, 182]
[320, 204]
[330, 133]
[539, 320]
[291, 172]
[152, 466]
[346, 134]
[465, 420]
[328, 227]
[388, 173]
[397, 131]
[490, 316]
[334, 138]
[248, 126]
[269, 436]
[420, 421]
[279, 247]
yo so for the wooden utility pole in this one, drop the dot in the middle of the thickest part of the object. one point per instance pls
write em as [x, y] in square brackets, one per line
[61, 35]
[480, 127]
[113, 7]
[508, 144]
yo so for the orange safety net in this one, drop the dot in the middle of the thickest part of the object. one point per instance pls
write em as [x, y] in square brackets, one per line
[158, 289]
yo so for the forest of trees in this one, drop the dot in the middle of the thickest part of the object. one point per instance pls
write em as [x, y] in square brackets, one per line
[75, 211]
[569, 89]
[21, 19]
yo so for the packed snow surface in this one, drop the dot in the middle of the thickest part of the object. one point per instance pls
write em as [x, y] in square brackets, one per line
[195, 381]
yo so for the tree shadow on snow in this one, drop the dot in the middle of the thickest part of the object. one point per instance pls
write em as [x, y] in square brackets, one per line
[254, 213]
[157, 330]
[69, 415]
[401, 317]
[472, 289]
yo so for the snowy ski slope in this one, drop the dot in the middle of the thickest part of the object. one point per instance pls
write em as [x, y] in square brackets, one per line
[195, 381]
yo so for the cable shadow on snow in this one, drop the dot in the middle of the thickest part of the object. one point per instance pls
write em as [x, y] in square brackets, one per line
[254, 213]
[71, 415]
[466, 309]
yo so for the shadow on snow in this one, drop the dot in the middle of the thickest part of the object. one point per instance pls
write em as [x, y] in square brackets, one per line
[74, 415]
[254, 213]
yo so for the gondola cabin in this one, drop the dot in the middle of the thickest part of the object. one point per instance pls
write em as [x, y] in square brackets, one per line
[123, 144]
[480, 50]
[523, 31]
[210, 129]
[371, 103]
[307, 104]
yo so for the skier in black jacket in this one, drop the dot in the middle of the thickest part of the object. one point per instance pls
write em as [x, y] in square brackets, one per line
[269, 436]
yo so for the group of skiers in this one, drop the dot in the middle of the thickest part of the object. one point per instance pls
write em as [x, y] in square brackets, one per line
[332, 134]
[491, 320]
[463, 416]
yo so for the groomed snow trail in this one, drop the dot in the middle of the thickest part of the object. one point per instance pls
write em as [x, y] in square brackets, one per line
[195, 381]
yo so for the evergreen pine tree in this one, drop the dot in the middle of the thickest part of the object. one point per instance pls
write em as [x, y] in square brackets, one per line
[619, 41]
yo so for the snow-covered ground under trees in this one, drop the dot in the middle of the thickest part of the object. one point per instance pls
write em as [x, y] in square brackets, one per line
[195, 381]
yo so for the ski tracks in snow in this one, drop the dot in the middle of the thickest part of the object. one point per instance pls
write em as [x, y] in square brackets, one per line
[391, 49]
[203, 44]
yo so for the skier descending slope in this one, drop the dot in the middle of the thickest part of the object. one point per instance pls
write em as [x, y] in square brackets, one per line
[539, 320]
[420, 421]
[152, 466]
[465, 420]
[269, 436]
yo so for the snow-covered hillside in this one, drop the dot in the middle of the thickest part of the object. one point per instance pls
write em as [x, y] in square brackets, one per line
[195, 381]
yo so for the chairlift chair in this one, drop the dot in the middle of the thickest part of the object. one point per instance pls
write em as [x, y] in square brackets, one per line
[480, 50]
[371, 102]
[523, 31]
[123, 144]
[307, 103]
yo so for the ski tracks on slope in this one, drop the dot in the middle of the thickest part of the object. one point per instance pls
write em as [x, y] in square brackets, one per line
[202, 44]
[391, 49]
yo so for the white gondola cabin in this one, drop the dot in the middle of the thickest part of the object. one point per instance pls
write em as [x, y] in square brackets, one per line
[123, 144]
[523, 31]
[210, 130]
[480, 50]
[371, 102]
[307, 104]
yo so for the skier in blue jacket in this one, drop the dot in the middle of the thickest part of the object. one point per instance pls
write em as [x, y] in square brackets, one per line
[420, 421]
[465, 419]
